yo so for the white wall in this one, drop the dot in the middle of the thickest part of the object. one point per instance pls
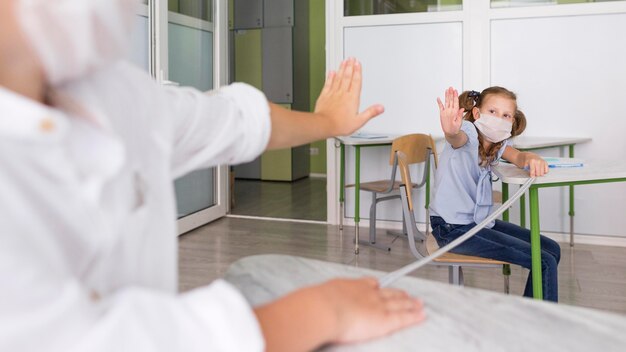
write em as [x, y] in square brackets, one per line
[566, 62]
[404, 74]
[569, 73]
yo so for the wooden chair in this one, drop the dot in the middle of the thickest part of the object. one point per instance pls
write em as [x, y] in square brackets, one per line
[417, 148]
[455, 262]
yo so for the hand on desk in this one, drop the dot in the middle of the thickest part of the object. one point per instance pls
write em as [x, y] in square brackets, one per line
[366, 311]
[337, 311]
[535, 164]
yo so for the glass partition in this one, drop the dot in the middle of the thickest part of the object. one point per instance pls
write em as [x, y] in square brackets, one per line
[201, 9]
[190, 63]
[384, 7]
[140, 48]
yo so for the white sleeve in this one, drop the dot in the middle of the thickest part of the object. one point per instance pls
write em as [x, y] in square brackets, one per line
[227, 126]
[44, 310]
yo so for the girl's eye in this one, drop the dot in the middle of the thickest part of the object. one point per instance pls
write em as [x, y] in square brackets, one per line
[492, 111]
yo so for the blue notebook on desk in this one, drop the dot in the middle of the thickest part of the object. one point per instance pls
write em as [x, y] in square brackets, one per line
[560, 162]
[563, 162]
[365, 135]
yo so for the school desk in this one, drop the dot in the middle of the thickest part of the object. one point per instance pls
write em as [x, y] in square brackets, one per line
[457, 319]
[593, 171]
[357, 143]
[524, 143]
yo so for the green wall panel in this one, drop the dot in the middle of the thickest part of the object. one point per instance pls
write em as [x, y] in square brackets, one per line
[276, 165]
[317, 62]
[248, 65]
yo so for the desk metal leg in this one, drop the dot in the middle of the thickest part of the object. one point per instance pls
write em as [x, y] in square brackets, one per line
[535, 243]
[357, 197]
[505, 197]
[571, 204]
[342, 184]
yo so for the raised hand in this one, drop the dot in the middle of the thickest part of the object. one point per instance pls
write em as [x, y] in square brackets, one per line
[450, 114]
[339, 100]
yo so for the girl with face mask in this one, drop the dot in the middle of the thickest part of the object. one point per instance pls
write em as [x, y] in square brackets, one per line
[477, 128]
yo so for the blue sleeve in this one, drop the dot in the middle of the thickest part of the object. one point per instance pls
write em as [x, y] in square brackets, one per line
[472, 134]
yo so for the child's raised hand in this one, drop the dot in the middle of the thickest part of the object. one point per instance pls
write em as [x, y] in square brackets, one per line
[450, 114]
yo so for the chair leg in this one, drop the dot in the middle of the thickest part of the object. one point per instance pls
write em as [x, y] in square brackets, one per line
[506, 271]
[373, 219]
[404, 229]
[455, 275]
[372, 238]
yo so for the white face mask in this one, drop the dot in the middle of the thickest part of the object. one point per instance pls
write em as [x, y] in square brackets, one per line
[73, 37]
[493, 128]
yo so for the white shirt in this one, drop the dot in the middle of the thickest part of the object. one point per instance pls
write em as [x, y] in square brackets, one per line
[87, 215]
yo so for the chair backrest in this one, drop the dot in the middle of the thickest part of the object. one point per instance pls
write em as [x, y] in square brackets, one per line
[414, 147]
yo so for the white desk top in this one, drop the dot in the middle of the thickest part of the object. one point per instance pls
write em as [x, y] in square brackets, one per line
[524, 142]
[457, 319]
[387, 139]
[520, 142]
[350, 140]
[591, 170]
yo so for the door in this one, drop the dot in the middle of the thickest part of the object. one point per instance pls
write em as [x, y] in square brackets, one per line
[188, 49]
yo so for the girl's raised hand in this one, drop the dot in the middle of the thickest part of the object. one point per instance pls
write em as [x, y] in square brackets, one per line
[450, 114]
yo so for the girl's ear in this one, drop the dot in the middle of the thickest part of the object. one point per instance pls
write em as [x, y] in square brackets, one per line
[476, 113]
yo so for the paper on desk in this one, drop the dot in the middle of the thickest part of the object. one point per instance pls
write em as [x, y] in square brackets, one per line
[365, 135]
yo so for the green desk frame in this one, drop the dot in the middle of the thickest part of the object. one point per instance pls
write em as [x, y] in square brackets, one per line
[357, 184]
[556, 144]
[535, 244]
[611, 173]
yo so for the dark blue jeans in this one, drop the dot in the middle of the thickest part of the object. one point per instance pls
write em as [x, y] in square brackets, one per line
[506, 242]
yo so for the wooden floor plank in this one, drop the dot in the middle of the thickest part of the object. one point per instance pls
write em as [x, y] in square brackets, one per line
[589, 276]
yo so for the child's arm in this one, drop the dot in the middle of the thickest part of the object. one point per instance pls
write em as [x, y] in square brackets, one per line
[526, 160]
[451, 117]
[337, 311]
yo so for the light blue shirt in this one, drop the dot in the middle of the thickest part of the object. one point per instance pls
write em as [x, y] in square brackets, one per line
[463, 191]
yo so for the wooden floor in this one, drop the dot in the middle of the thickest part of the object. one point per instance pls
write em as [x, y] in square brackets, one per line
[303, 199]
[589, 276]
